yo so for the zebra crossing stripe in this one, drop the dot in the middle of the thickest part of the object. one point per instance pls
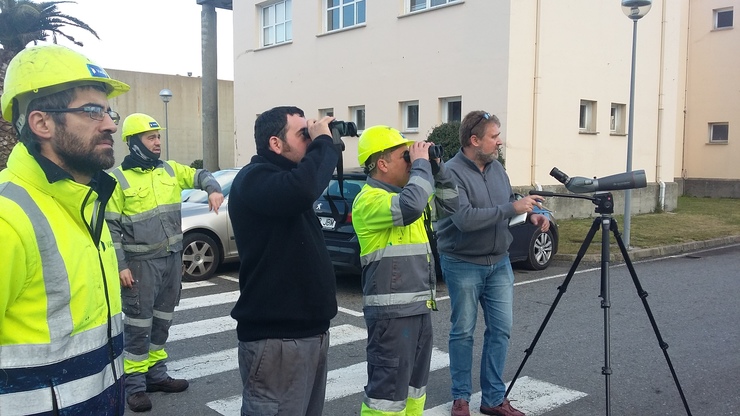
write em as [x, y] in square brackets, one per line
[533, 397]
[226, 360]
[200, 328]
[193, 285]
[340, 383]
[208, 300]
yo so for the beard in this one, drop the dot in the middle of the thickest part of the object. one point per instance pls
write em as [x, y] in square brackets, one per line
[486, 157]
[80, 155]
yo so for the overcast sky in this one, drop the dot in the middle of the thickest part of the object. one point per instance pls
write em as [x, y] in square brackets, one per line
[160, 36]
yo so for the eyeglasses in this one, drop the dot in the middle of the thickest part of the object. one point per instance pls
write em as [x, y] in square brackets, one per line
[95, 112]
[485, 116]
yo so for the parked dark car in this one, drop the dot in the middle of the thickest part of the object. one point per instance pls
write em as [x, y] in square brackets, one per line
[531, 247]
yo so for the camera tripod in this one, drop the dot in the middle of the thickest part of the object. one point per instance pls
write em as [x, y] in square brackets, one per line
[605, 207]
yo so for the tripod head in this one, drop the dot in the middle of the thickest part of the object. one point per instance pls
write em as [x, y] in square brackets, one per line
[604, 201]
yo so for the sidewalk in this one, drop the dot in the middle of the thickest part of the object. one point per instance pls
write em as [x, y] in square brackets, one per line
[646, 253]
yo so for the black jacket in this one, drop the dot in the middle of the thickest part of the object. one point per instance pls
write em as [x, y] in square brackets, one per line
[286, 278]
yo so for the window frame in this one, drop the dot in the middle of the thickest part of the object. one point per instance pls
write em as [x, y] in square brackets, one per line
[587, 117]
[405, 114]
[617, 119]
[712, 139]
[427, 5]
[324, 112]
[342, 4]
[716, 18]
[355, 117]
[445, 108]
[287, 23]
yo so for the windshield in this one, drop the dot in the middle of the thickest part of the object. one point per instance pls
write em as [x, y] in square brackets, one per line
[224, 178]
[352, 187]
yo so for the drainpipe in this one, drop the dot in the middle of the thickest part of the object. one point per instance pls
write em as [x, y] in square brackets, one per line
[662, 196]
[535, 93]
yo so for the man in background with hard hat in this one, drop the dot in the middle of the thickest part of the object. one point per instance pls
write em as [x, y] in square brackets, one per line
[60, 307]
[391, 216]
[144, 218]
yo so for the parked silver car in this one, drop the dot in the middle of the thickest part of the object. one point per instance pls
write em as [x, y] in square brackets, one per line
[208, 239]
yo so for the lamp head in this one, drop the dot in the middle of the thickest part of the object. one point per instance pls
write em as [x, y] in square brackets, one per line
[165, 95]
[636, 9]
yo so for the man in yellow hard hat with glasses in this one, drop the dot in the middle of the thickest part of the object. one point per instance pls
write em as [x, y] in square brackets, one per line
[144, 218]
[61, 338]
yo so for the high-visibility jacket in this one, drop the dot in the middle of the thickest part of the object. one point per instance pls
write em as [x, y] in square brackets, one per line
[144, 211]
[60, 305]
[398, 277]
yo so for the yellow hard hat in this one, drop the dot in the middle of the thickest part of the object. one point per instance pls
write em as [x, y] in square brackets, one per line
[39, 71]
[138, 123]
[376, 139]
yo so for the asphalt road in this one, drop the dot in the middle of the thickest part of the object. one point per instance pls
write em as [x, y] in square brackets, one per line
[693, 298]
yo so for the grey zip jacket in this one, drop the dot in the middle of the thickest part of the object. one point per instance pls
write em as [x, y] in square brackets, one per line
[478, 232]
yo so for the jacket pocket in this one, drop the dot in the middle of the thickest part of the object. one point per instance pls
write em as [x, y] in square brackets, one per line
[130, 300]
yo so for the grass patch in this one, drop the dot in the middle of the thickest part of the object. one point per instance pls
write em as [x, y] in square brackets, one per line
[695, 219]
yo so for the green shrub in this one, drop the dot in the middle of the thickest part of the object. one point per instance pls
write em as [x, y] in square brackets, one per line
[197, 164]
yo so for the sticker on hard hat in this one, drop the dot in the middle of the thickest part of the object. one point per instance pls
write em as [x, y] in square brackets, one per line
[153, 124]
[97, 71]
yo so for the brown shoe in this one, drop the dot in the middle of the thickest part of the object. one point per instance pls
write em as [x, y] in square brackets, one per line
[504, 409]
[170, 385]
[139, 402]
[460, 408]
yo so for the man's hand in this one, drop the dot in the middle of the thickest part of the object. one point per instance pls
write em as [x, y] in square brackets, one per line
[318, 127]
[215, 199]
[419, 150]
[127, 279]
[528, 203]
[540, 221]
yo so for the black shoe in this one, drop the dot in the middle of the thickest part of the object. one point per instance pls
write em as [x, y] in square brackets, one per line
[170, 385]
[139, 402]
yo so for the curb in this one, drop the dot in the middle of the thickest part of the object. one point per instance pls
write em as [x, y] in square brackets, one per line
[646, 253]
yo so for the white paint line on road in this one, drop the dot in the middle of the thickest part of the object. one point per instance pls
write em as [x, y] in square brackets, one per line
[208, 300]
[226, 360]
[351, 312]
[533, 397]
[200, 328]
[340, 383]
[233, 279]
[193, 285]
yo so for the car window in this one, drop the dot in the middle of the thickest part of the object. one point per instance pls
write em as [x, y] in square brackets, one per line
[224, 178]
[352, 187]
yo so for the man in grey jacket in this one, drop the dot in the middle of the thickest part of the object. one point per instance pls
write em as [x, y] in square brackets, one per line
[473, 247]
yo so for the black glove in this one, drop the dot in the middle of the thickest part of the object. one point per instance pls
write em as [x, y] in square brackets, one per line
[435, 167]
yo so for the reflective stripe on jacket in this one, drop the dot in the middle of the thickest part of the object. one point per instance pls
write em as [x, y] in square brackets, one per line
[398, 277]
[60, 306]
[144, 211]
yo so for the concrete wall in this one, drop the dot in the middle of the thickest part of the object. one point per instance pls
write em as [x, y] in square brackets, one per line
[712, 188]
[183, 114]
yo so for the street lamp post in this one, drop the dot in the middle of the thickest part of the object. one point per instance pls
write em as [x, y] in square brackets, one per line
[166, 96]
[635, 10]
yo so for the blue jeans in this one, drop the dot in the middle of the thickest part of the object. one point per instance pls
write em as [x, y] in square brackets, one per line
[493, 287]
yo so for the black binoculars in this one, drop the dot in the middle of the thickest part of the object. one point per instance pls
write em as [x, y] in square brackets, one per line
[435, 152]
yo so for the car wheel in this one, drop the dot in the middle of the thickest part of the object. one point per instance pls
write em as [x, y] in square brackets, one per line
[540, 250]
[200, 257]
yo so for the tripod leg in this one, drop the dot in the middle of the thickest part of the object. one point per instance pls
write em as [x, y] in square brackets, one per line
[561, 289]
[643, 297]
[606, 370]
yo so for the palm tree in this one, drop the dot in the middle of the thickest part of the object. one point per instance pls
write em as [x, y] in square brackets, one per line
[23, 22]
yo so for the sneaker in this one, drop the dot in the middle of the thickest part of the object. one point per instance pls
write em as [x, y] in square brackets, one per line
[139, 402]
[460, 408]
[504, 409]
[169, 385]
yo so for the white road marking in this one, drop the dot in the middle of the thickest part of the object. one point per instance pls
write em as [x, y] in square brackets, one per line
[208, 300]
[193, 285]
[200, 328]
[226, 360]
[533, 397]
[233, 279]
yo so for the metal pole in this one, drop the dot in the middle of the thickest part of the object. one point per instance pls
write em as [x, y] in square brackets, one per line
[166, 132]
[630, 130]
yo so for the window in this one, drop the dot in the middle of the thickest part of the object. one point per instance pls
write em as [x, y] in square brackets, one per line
[587, 118]
[323, 112]
[616, 120]
[277, 23]
[723, 18]
[410, 111]
[719, 132]
[357, 114]
[451, 109]
[416, 5]
[344, 13]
